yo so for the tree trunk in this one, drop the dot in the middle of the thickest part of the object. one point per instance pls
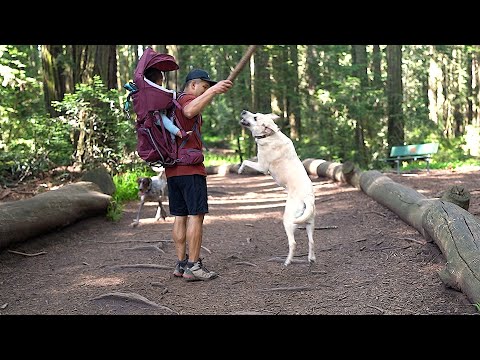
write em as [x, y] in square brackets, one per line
[261, 89]
[53, 78]
[346, 172]
[294, 117]
[105, 64]
[359, 67]
[24, 219]
[396, 131]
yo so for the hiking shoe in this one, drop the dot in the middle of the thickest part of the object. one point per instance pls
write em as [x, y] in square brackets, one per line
[198, 272]
[180, 268]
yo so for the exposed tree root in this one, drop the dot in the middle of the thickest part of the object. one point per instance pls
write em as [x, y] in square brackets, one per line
[245, 263]
[146, 247]
[296, 288]
[25, 254]
[133, 297]
[142, 266]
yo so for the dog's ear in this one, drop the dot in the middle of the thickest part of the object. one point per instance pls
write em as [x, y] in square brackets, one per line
[274, 117]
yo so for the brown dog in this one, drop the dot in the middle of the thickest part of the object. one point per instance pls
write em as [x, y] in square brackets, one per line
[152, 189]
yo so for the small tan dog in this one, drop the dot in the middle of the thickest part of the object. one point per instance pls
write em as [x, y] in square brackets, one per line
[278, 157]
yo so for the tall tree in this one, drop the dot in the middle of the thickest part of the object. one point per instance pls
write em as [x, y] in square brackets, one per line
[396, 122]
[294, 115]
[377, 66]
[359, 65]
[261, 88]
[90, 60]
[53, 75]
[105, 64]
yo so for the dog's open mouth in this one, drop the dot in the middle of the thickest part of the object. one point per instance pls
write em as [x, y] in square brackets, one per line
[244, 122]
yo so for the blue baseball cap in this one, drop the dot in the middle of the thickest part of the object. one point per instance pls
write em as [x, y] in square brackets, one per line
[200, 74]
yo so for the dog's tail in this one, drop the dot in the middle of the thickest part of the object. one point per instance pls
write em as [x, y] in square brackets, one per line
[309, 210]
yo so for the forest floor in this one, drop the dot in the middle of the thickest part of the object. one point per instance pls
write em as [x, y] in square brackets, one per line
[368, 260]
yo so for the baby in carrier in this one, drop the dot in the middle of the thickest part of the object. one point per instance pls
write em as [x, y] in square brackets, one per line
[154, 77]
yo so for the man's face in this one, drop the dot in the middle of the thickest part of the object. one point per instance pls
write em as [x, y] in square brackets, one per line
[200, 87]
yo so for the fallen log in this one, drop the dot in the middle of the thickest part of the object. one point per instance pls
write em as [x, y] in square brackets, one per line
[24, 219]
[445, 221]
[455, 231]
[346, 172]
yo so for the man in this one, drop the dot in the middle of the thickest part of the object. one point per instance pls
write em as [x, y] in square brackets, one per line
[187, 184]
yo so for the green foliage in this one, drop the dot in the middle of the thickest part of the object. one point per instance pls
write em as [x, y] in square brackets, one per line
[95, 113]
[327, 98]
[114, 210]
[215, 159]
[19, 93]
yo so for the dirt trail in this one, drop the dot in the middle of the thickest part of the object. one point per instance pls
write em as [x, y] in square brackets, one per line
[368, 260]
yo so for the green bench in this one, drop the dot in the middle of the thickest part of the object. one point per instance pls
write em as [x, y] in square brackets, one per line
[412, 153]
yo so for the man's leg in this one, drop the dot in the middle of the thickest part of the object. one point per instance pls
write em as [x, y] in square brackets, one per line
[179, 233]
[195, 270]
[194, 236]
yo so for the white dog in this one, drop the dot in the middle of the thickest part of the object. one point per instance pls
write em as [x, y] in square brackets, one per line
[277, 156]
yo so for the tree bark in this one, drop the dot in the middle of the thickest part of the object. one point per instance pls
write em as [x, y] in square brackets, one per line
[53, 78]
[24, 219]
[396, 121]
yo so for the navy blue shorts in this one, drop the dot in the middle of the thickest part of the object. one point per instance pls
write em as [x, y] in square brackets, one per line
[187, 195]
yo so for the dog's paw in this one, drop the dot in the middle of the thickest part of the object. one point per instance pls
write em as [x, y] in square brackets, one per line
[134, 223]
[240, 169]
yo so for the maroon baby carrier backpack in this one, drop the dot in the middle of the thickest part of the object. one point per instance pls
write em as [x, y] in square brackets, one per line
[154, 143]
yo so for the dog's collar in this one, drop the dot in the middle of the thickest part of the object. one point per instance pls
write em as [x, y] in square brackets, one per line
[267, 135]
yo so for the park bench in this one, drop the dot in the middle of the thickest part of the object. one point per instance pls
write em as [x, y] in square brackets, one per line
[412, 153]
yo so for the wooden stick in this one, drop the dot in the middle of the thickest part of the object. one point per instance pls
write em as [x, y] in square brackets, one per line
[320, 227]
[25, 254]
[243, 61]
[376, 212]
[414, 240]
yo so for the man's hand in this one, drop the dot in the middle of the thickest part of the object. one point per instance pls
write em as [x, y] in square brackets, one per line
[221, 87]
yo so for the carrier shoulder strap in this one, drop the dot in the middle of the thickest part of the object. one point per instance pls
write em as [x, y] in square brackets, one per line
[195, 125]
